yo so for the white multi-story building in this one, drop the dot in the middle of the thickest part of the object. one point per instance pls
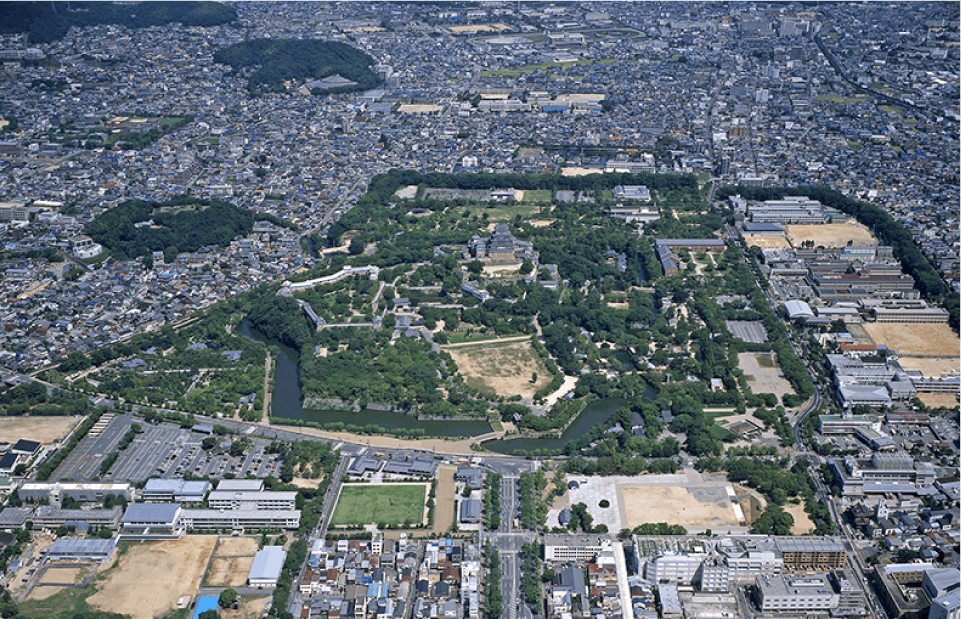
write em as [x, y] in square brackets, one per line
[809, 593]
[228, 500]
[674, 567]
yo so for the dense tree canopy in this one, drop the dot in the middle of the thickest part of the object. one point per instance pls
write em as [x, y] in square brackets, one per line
[280, 60]
[198, 224]
[49, 21]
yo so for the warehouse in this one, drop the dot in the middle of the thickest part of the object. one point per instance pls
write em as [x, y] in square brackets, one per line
[266, 567]
[75, 549]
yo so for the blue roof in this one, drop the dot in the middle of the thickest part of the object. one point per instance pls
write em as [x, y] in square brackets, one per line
[207, 602]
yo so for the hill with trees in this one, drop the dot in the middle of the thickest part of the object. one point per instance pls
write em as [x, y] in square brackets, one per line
[50, 21]
[280, 60]
[194, 224]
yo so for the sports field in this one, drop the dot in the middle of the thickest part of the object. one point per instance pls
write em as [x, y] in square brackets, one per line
[830, 235]
[392, 504]
[929, 340]
[45, 430]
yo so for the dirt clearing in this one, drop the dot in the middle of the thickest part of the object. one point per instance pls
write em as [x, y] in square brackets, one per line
[802, 522]
[676, 505]
[830, 235]
[929, 340]
[231, 562]
[932, 367]
[45, 430]
[64, 575]
[152, 576]
[766, 242]
[505, 369]
[763, 373]
[444, 499]
[250, 608]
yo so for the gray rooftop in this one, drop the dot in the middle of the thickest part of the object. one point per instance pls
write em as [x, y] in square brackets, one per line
[151, 513]
[267, 563]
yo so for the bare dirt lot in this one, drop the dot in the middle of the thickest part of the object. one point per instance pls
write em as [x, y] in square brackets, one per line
[444, 499]
[411, 108]
[934, 340]
[152, 576]
[802, 522]
[480, 28]
[830, 235]
[763, 373]
[676, 505]
[930, 366]
[766, 242]
[55, 575]
[231, 562]
[46, 430]
[250, 608]
[505, 369]
[64, 575]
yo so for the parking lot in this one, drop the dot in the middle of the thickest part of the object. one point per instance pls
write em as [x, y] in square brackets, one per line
[752, 331]
[163, 451]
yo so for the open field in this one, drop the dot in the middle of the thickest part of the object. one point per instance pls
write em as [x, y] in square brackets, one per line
[692, 508]
[536, 196]
[763, 373]
[802, 522]
[231, 562]
[947, 400]
[444, 499]
[766, 242]
[935, 340]
[932, 367]
[46, 430]
[830, 235]
[393, 504]
[685, 498]
[69, 575]
[64, 575]
[574, 171]
[152, 576]
[505, 369]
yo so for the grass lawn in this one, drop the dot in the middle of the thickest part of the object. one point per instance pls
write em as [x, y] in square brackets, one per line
[380, 503]
[537, 196]
[766, 361]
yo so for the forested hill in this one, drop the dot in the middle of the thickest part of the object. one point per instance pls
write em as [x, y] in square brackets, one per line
[289, 59]
[195, 224]
[49, 21]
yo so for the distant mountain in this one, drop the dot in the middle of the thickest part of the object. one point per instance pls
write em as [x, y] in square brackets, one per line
[288, 59]
[49, 21]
